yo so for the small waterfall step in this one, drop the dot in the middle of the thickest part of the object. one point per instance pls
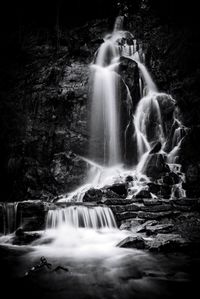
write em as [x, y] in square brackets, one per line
[79, 216]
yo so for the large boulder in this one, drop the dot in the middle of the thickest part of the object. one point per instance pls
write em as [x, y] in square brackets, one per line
[155, 166]
[93, 195]
[120, 189]
[143, 193]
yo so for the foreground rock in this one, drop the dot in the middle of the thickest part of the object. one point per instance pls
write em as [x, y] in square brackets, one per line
[161, 243]
[24, 238]
[133, 242]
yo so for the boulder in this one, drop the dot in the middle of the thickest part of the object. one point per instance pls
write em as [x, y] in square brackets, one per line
[31, 215]
[171, 178]
[155, 166]
[156, 148]
[93, 195]
[165, 191]
[120, 189]
[110, 194]
[132, 242]
[142, 227]
[143, 194]
[167, 242]
[24, 238]
[131, 224]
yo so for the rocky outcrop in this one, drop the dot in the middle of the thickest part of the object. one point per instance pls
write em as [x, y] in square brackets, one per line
[151, 209]
[130, 74]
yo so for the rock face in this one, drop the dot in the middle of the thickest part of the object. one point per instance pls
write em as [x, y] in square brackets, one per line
[150, 209]
[130, 74]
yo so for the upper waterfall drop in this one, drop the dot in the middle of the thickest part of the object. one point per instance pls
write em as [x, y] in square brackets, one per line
[104, 141]
[115, 144]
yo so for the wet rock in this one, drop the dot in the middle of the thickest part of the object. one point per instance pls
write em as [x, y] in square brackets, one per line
[125, 208]
[157, 208]
[142, 228]
[167, 242]
[155, 215]
[120, 189]
[159, 228]
[130, 74]
[156, 166]
[116, 201]
[110, 194]
[118, 209]
[31, 215]
[130, 224]
[166, 103]
[165, 191]
[154, 188]
[68, 170]
[171, 178]
[126, 215]
[132, 242]
[156, 148]
[143, 194]
[93, 195]
[129, 178]
[152, 202]
[23, 238]
[184, 208]
[185, 201]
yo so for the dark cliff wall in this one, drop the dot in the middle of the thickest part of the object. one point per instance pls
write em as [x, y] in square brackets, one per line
[44, 96]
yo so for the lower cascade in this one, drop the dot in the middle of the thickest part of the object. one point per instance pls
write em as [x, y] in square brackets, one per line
[81, 216]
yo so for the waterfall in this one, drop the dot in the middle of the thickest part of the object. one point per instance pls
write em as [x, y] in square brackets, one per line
[10, 217]
[119, 22]
[148, 123]
[111, 143]
[147, 77]
[104, 110]
[81, 216]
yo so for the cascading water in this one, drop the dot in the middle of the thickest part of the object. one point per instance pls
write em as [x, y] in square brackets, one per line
[145, 127]
[81, 216]
[10, 217]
